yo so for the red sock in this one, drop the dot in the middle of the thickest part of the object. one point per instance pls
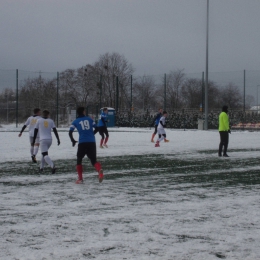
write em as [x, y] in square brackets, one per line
[79, 170]
[97, 166]
[101, 142]
[106, 140]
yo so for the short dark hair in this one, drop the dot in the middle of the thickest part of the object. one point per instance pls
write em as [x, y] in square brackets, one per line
[165, 112]
[36, 110]
[45, 112]
[80, 110]
[105, 109]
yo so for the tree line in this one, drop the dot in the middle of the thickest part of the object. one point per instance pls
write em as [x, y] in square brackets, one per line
[109, 82]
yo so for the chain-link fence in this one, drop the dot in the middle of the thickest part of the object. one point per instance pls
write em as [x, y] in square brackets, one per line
[22, 91]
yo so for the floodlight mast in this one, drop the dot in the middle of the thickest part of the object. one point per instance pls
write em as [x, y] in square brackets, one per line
[207, 71]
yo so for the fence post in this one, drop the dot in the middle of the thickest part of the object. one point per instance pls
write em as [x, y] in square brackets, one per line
[16, 105]
[202, 93]
[100, 91]
[244, 91]
[164, 91]
[57, 101]
[131, 99]
[117, 94]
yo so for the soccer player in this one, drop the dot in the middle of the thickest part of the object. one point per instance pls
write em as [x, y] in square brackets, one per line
[87, 143]
[156, 123]
[102, 128]
[161, 130]
[44, 126]
[31, 121]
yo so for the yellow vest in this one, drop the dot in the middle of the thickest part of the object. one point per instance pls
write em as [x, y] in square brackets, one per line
[223, 122]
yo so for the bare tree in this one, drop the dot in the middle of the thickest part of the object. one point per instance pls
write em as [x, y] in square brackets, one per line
[174, 83]
[78, 86]
[145, 93]
[109, 67]
[231, 96]
[191, 92]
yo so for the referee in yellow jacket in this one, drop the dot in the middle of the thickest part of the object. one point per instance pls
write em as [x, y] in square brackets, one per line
[224, 130]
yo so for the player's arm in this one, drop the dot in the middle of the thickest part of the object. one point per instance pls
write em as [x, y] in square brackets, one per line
[103, 119]
[153, 122]
[72, 127]
[21, 132]
[162, 123]
[35, 135]
[56, 134]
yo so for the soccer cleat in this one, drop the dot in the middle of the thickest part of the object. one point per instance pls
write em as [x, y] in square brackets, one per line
[100, 175]
[157, 144]
[219, 155]
[53, 170]
[166, 140]
[152, 140]
[225, 155]
[40, 169]
[34, 159]
[101, 146]
[105, 145]
[79, 182]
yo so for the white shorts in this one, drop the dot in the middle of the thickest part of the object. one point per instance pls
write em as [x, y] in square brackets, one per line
[161, 131]
[37, 140]
[45, 145]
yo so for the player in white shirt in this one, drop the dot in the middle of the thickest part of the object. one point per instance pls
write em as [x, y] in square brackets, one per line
[31, 122]
[161, 130]
[44, 126]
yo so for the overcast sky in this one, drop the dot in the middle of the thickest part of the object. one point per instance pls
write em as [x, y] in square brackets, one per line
[155, 36]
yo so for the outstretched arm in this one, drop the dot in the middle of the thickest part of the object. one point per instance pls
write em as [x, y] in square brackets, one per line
[71, 138]
[56, 134]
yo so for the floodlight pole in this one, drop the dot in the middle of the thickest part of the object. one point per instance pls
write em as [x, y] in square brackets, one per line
[207, 71]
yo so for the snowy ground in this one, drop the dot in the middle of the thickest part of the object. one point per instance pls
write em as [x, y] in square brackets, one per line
[179, 201]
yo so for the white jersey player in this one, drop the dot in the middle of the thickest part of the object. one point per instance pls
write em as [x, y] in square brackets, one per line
[31, 122]
[44, 126]
[160, 129]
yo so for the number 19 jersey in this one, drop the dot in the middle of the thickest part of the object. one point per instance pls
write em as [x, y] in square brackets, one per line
[84, 125]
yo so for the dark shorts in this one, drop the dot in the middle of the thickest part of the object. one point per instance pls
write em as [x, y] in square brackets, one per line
[103, 130]
[88, 149]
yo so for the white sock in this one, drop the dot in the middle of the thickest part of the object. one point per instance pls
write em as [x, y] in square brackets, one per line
[42, 162]
[31, 150]
[35, 150]
[48, 160]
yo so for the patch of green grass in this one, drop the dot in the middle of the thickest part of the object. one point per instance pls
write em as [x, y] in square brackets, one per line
[210, 171]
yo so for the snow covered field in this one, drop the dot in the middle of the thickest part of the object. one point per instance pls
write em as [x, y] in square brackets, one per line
[178, 201]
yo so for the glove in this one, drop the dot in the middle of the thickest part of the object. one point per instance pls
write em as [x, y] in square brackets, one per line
[74, 143]
[58, 142]
[229, 131]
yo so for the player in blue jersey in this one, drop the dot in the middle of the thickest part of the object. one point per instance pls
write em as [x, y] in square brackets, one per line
[102, 128]
[156, 122]
[87, 143]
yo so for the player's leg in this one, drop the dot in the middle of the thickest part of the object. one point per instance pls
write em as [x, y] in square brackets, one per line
[221, 143]
[45, 145]
[79, 167]
[36, 148]
[225, 141]
[31, 149]
[154, 133]
[92, 155]
[107, 136]
[42, 164]
[101, 132]
[96, 130]
[166, 140]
